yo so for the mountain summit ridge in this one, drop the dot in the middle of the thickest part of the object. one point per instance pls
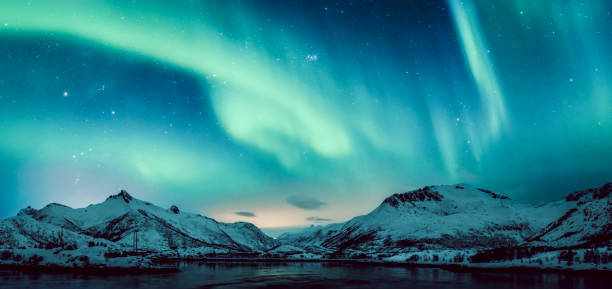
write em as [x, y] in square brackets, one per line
[123, 194]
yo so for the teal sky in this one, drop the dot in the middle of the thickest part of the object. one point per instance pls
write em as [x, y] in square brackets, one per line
[288, 113]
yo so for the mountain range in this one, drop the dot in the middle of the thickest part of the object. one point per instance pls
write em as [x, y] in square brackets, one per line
[120, 219]
[465, 217]
[434, 218]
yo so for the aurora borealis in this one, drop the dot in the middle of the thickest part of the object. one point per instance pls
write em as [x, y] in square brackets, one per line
[284, 112]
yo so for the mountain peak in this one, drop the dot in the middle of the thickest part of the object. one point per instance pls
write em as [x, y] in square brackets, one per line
[122, 195]
[594, 194]
[420, 195]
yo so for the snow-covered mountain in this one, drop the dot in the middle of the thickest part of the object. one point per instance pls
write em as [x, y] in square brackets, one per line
[435, 224]
[586, 221]
[463, 217]
[119, 218]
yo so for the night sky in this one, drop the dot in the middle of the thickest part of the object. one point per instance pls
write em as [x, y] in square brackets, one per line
[288, 113]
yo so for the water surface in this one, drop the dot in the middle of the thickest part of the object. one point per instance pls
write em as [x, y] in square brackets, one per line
[302, 275]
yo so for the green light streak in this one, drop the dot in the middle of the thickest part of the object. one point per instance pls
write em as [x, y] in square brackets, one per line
[255, 100]
[149, 157]
[481, 67]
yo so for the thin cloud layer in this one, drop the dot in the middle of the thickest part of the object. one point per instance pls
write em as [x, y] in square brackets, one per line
[305, 202]
[318, 219]
[246, 214]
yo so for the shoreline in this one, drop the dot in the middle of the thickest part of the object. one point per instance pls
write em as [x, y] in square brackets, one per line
[367, 262]
[463, 268]
[91, 270]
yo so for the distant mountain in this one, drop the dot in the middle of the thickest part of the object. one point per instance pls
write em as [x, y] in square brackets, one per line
[119, 218]
[464, 217]
[586, 221]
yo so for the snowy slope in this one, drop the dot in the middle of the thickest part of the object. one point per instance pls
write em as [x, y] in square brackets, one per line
[311, 238]
[586, 221]
[117, 218]
[458, 216]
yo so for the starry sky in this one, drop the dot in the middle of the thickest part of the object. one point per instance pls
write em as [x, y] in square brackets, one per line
[290, 113]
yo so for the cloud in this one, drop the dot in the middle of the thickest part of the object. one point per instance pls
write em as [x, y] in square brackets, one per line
[246, 214]
[305, 202]
[318, 219]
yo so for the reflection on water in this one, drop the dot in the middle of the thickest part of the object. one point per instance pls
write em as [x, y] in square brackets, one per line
[302, 275]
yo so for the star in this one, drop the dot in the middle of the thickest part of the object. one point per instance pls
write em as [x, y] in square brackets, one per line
[312, 57]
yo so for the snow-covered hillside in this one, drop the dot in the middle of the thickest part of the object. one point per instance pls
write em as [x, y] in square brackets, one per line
[586, 221]
[115, 223]
[463, 217]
